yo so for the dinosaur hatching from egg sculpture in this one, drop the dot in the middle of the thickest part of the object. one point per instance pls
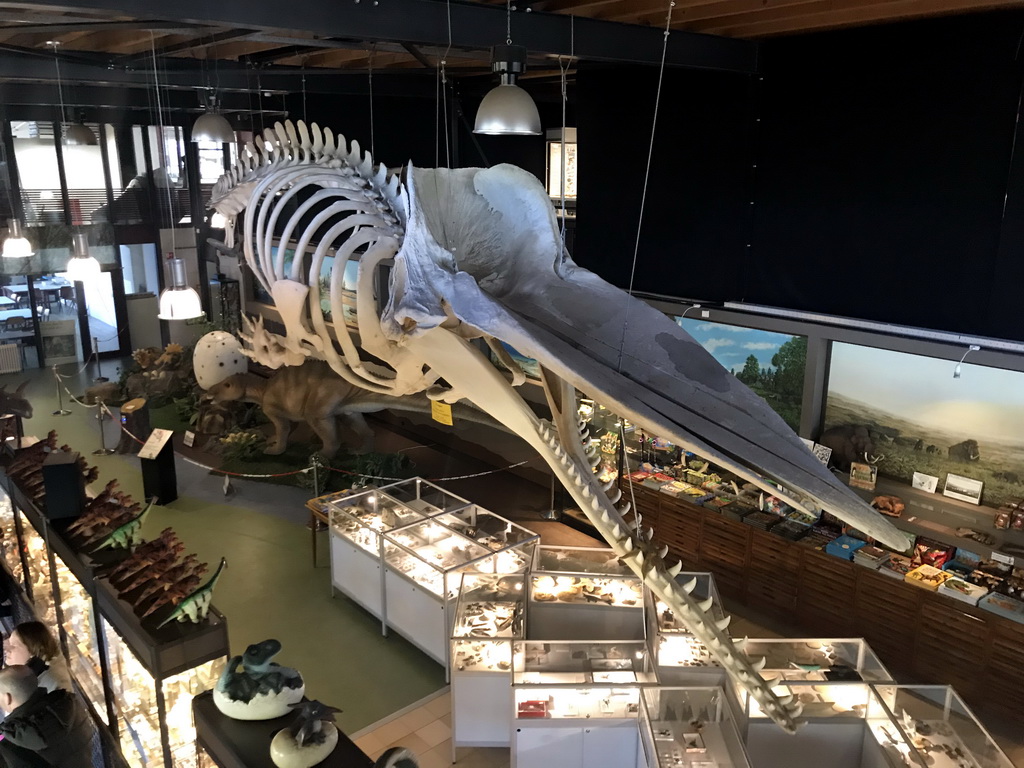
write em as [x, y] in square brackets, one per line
[450, 258]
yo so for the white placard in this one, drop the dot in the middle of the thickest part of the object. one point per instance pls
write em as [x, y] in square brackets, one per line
[999, 557]
[925, 482]
[963, 488]
[190, 438]
[157, 440]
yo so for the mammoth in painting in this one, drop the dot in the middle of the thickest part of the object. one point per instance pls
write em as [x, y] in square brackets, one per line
[849, 442]
[966, 451]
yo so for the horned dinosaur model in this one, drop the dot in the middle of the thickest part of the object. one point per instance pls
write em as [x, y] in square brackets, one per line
[472, 258]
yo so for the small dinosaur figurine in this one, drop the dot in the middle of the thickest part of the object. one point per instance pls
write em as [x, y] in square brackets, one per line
[153, 571]
[308, 726]
[195, 607]
[144, 554]
[128, 534]
[188, 566]
[177, 592]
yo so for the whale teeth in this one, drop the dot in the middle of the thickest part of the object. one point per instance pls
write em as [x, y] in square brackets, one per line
[705, 605]
[689, 586]
[674, 570]
[606, 518]
[758, 664]
[723, 624]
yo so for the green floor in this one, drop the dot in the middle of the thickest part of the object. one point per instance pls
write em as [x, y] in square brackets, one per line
[270, 588]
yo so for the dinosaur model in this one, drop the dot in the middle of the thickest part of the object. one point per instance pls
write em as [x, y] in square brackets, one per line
[308, 726]
[15, 402]
[188, 566]
[452, 263]
[128, 533]
[176, 592]
[30, 459]
[195, 607]
[313, 394]
[145, 554]
[262, 689]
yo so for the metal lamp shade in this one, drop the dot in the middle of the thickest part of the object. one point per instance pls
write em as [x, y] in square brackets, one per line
[507, 110]
[212, 126]
[82, 268]
[180, 301]
[16, 246]
[79, 135]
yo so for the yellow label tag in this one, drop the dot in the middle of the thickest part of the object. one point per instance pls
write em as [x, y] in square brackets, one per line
[441, 412]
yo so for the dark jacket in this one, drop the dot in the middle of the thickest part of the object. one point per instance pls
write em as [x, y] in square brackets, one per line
[50, 729]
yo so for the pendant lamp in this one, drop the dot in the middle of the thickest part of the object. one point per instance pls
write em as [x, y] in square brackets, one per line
[79, 135]
[82, 268]
[180, 301]
[16, 246]
[212, 125]
[508, 110]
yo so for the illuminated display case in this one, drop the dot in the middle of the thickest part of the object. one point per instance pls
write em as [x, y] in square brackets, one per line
[941, 731]
[676, 649]
[825, 674]
[423, 567]
[138, 680]
[356, 523]
[689, 728]
[579, 593]
[489, 617]
[9, 544]
[400, 552]
[576, 703]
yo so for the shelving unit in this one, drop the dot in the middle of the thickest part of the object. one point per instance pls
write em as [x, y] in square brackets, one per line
[915, 632]
[138, 680]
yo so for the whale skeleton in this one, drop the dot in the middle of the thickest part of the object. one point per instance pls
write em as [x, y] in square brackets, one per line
[451, 263]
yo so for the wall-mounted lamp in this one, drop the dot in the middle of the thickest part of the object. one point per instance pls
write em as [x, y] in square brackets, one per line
[180, 301]
[16, 246]
[556, 145]
[82, 268]
[959, 366]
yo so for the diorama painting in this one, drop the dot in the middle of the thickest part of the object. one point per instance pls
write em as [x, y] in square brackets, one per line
[348, 292]
[771, 364]
[920, 419]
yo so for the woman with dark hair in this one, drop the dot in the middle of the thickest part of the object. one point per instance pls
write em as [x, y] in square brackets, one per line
[30, 643]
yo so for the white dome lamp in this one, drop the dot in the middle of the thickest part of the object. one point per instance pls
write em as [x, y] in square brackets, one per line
[82, 268]
[16, 245]
[508, 110]
[212, 125]
[79, 135]
[180, 301]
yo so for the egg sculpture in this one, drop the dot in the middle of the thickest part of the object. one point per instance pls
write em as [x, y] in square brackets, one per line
[217, 355]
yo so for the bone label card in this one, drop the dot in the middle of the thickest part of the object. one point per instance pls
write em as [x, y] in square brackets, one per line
[863, 476]
[441, 412]
[157, 440]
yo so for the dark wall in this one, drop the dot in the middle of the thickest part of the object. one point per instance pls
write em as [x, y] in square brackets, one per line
[696, 221]
[883, 156]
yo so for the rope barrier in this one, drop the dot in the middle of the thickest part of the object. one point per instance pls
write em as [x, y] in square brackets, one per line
[332, 469]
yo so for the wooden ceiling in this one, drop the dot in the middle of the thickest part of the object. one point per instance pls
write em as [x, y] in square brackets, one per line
[126, 40]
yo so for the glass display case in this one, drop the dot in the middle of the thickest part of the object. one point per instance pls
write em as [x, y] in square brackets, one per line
[140, 677]
[581, 593]
[9, 544]
[135, 704]
[424, 563]
[935, 728]
[423, 496]
[825, 674]
[356, 524]
[516, 544]
[676, 647]
[80, 635]
[689, 728]
[37, 560]
[576, 703]
[489, 617]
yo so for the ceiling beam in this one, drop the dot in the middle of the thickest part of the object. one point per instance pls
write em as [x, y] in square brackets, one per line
[425, 22]
[200, 41]
[97, 26]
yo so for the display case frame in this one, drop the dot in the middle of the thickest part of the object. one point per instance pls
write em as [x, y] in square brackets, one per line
[482, 658]
[677, 652]
[956, 728]
[688, 746]
[587, 592]
[168, 655]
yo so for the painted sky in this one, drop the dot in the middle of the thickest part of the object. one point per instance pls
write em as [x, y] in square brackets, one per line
[922, 389]
[731, 345]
